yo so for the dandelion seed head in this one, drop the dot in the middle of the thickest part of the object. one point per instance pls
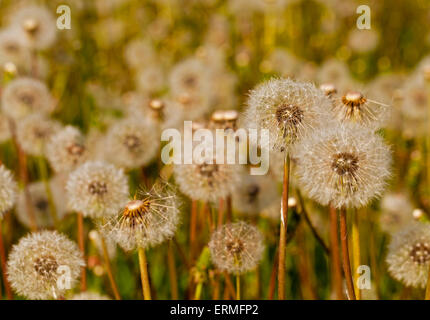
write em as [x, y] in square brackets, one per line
[8, 190]
[408, 257]
[149, 219]
[37, 24]
[255, 193]
[23, 96]
[236, 247]
[66, 149]
[329, 89]
[33, 264]
[13, 48]
[396, 212]
[88, 295]
[289, 109]
[353, 106]
[346, 166]
[33, 133]
[132, 143]
[97, 189]
[139, 53]
[40, 204]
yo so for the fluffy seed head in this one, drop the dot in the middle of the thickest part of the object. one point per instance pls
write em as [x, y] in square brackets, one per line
[8, 190]
[353, 106]
[37, 24]
[38, 260]
[207, 181]
[34, 131]
[255, 193]
[97, 189]
[236, 247]
[147, 220]
[13, 48]
[66, 149]
[23, 96]
[289, 109]
[132, 143]
[396, 212]
[345, 166]
[40, 204]
[408, 256]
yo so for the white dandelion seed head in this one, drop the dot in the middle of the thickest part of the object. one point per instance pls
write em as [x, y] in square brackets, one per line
[189, 76]
[66, 149]
[97, 189]
[8, 190]
[207, 180]
[132, 143]
[34, 264]
[38, 25]
[140, 53]
[396, 211]
[34, 131]
[151, 79]
[362, 41]
[335, 72]
[408, 257]
[344, 165]
[354, 107]
[236, 247]
[23, 96]
[40, 204]
[255, 193]
[289, 109]
[13, 48]
[149, 219]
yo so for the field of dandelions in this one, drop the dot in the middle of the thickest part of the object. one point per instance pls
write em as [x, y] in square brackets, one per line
[89, 211]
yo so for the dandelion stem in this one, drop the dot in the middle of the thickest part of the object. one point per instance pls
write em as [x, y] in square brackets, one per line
[109, 269]
[237, 287]
[220, 212]
[143, 265]
[43, 170]
[81, 242]
[229, 209]
[356, 251]
[3, 264]
[193, 228]
[345, 254]
[336, 272]
[172, 271]
[229, 285]
[198, 291]
[23, 175]
[283, 229]
[427, 296]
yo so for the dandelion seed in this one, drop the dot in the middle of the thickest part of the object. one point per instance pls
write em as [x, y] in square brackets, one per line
[66, 149]
[97, 189]
[346, 166]
[34, 265]
[13, 48]
[24, 96]
[408, 255]
[290, 110]
[149, 219]
[236, 247]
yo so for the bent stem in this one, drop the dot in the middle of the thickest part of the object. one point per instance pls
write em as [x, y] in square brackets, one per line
[143, 265]
[283, 229]
[356, 252]
[109, 269]
[345, 254]
[9, 293]
[336, 272]
[81, 242]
